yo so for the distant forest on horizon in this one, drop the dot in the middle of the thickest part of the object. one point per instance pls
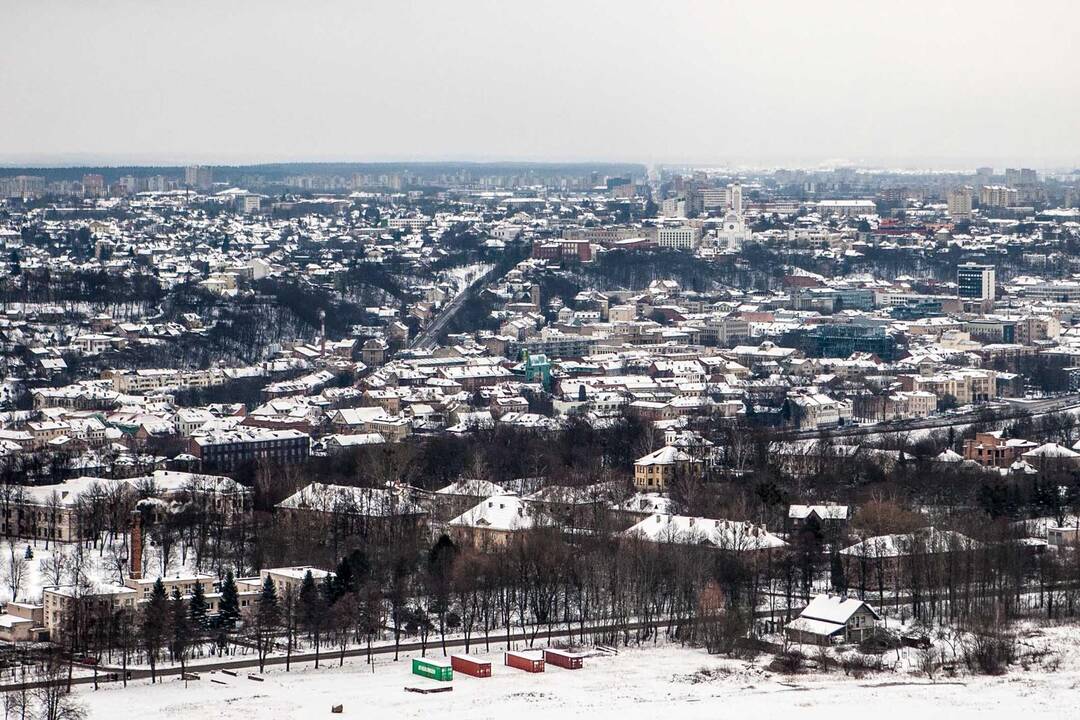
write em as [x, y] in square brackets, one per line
[270, 170]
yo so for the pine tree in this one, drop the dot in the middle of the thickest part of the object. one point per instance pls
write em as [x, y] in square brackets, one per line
[313, 607]
[229, 611]
[181, 629]
[352, 573]
[266, 622]
[154, 629]
[198, 609]
[268, 599]
[343, 580]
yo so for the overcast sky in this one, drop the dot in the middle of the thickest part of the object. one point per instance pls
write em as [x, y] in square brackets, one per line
[902, 83]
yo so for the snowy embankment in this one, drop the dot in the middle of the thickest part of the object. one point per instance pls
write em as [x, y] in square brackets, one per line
[668, 680]
[464, 275]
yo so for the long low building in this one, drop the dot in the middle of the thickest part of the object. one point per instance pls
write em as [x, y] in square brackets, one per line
[728, 535]
[64, 512]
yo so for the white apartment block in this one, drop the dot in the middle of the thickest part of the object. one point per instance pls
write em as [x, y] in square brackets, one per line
[678, 238]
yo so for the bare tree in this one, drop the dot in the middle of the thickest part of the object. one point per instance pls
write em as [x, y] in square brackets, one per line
[53, 698]
[15, 573]
[54, 566]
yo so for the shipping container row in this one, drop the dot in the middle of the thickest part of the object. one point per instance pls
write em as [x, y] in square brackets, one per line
[532, 661]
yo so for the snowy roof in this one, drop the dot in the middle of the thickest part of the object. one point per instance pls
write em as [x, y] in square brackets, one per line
[473, 487]
[723, 534]
[949, 455]
[927, 539]
[664, 456]
[1052, 450]
[1022, 466]
[652, 503]
[825, 512]
[815, 627]
[834, 608]
[503, 512]
[373, 502]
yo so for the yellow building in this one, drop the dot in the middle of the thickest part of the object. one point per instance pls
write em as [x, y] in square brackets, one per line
[653, 472]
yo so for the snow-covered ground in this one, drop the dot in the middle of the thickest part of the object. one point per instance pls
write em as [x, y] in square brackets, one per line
[666, 681]
[98, 566]
[462, 276]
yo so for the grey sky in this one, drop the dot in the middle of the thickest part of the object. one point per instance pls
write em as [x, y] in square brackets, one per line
[954, 83]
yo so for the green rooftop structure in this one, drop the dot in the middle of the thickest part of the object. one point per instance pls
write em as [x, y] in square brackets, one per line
[537, 368]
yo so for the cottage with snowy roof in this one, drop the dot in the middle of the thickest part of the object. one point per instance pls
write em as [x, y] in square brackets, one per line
[831, 619]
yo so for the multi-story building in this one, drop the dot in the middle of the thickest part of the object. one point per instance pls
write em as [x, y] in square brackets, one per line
[228, 450]
[655, 471]
[993, 450]
[812, 411]
[61, 512]
[975, 282]
[678, 238]
[999, 196]
[959, 201]
[905, 405]
[93, 185]
[965, 386]
[714, 198]
[199, 177]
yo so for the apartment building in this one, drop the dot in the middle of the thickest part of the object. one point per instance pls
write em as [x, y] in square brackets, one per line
[228, 450]
[959, 203]
[966, 386]
[678, 238]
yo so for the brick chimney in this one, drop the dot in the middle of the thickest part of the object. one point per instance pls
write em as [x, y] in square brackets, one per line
[135, 556]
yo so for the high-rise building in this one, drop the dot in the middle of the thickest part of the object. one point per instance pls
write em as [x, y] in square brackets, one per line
[673, 207]
[199, 177]
[997, 196]
[93, 185]
[22, 186]
[975, 282]
[1028, 176]
[714, 198]
[1012, 177]
[959, 200]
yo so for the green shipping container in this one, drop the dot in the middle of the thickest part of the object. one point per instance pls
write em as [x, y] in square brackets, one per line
[432, 670]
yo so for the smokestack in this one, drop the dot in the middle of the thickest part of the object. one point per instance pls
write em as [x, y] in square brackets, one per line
[322, 330]
[135, 557]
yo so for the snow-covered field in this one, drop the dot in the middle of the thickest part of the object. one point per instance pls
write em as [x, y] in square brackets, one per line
[662, 682]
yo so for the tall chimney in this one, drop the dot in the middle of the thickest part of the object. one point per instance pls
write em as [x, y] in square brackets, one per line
[135, 556]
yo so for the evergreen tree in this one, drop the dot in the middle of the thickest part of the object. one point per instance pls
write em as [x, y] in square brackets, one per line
[352, 573]
[154, 629]
[266, 621]
[837, 575]
[268, 599]
[180, 642]
[313, 608]
[229, 612]
[440, 566]
[198, 609]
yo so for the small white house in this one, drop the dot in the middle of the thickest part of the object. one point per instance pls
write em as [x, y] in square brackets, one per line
[831, 619]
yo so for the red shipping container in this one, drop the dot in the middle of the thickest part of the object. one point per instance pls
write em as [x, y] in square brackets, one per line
[528, 661]
[564, 659]
[470, 666]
